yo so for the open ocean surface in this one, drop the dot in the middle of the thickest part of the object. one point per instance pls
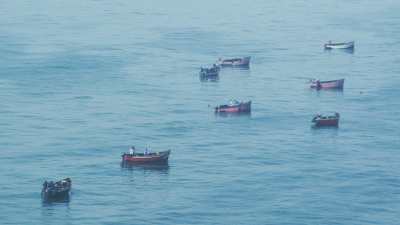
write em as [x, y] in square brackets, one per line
[81, 81]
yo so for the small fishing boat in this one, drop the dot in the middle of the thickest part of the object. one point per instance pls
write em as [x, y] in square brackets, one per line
[209, 73]
[343, 45]
[326, 120]
[331, 84]
[234, 106]
[234, 62]
[146, 157]
[56, 191]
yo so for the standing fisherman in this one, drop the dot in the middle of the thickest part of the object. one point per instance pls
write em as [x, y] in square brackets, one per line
[132, 150]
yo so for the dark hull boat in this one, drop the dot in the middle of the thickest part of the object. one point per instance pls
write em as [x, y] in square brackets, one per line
[150, 158]
[235, 62]
[234, 107]
[343, 45]
[326, 120]
[56, 191]
[209, 73]
[331, 84]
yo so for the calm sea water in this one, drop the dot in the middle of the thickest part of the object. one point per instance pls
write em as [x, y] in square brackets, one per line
[80, 81]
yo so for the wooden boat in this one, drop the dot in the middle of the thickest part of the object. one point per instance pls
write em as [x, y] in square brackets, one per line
[209, 73]
[146, 158]
[56, 191]
[234, 62]
[234, 107]
[343, 45]
[331, 84]
[327, 120]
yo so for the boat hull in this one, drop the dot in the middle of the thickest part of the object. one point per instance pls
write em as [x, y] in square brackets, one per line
[326, 123]
[49, 196]
[152, 158]
[244, 107]
[209, 76]
[333, 84]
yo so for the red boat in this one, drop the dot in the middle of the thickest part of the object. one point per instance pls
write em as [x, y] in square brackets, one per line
[331, 84]
[146, 158]
[234, 107]
[330, 120]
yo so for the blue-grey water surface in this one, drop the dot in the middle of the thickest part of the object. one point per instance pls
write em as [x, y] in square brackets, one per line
[80, 81]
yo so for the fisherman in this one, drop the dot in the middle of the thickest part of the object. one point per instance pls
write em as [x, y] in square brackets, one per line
[318, 84]
[132, 150]
[233, 102]
[45, 184]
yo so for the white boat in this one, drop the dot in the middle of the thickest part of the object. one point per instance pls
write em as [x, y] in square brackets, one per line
[343, 45]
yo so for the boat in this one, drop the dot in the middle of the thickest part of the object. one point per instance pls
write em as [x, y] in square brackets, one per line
[343, 45]
[234, 106]
[56, 191]
[146, 157]
[209, 73]
[331, 84]
[234, 62]
[326, 120]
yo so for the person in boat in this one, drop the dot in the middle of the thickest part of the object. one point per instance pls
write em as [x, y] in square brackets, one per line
[212, 69]
[132, 150]
[316, 117]
[318, 84]
[146, 151]
[233, 103]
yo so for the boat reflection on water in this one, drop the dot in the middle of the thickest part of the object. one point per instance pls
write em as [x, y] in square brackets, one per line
[157, 167]
[64, 202]
[60, 202]
[348, 50]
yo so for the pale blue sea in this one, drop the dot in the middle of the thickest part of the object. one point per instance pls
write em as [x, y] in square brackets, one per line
[81, 81]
